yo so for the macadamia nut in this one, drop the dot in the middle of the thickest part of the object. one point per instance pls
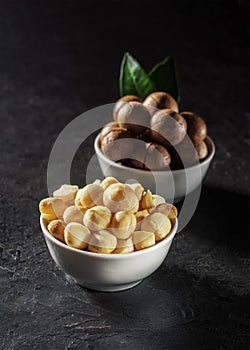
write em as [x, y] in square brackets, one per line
[160, 100]
[66, 193]
[89, 196]
[73, 214]
[51, 208]
[123, 224]
[168, 127]
[76, 235]
[147, 201]
[157, 223]
[97, 218]
[102, 242]
[108, 181]
[167, 209]
[56, 229]
[121, 101]
[120, 197]
[138, 189]
[124, 246]
[143, 239]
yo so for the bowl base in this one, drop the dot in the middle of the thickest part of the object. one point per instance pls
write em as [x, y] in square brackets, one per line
[105, 288]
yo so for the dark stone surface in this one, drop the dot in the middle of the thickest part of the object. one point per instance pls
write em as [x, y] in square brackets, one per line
[59, 59]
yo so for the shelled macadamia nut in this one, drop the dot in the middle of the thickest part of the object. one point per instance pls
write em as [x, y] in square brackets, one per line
[160, 100]
[168, 127]
[158, 199]
[140, 215]
[97, 218]
[143, 239]
[73, 214]
[124, 246]
[117, 144]
[89, 196]
[102, 242]
[108, 181]
[134, 116]
[122, 101]
[157, 223]
[56, 229]
[66, 193]
[120, 197]
[196, 126]
[138, 189]
[147, 201]
[76, 235]
[123, 224]
[51, 208]
[167, 209]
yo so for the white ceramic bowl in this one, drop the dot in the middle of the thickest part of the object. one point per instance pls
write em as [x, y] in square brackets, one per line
[172, 185]
[107, 272]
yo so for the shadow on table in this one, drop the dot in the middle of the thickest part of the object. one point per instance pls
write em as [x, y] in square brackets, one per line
[223, 216]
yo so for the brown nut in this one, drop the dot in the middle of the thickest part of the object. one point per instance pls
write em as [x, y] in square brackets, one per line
[56, 229]
[102, 242]
[167, 209]
[106, 129]
[97, 218]
[201, 148]
[157, 223]
[134, 116]
[117, 144]
[89, 196]
[121, 101]
[157, 157]
[168, 127]
[196, 127]
[160, 100]
[187, 153]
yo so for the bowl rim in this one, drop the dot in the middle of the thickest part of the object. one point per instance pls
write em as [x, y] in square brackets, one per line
[141, 171]
[166, 240]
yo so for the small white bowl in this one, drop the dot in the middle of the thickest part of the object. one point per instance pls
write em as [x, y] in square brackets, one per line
[172, 185]
[107, 272]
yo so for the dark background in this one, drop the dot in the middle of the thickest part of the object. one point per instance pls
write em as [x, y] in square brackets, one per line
[60, 58]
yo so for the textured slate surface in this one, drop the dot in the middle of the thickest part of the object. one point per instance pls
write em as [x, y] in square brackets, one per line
[59, 59]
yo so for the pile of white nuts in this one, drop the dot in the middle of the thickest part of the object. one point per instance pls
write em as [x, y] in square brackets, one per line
[107, 217]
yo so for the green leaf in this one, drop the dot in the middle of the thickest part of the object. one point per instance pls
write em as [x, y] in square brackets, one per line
[133, 79]
[164, 76]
